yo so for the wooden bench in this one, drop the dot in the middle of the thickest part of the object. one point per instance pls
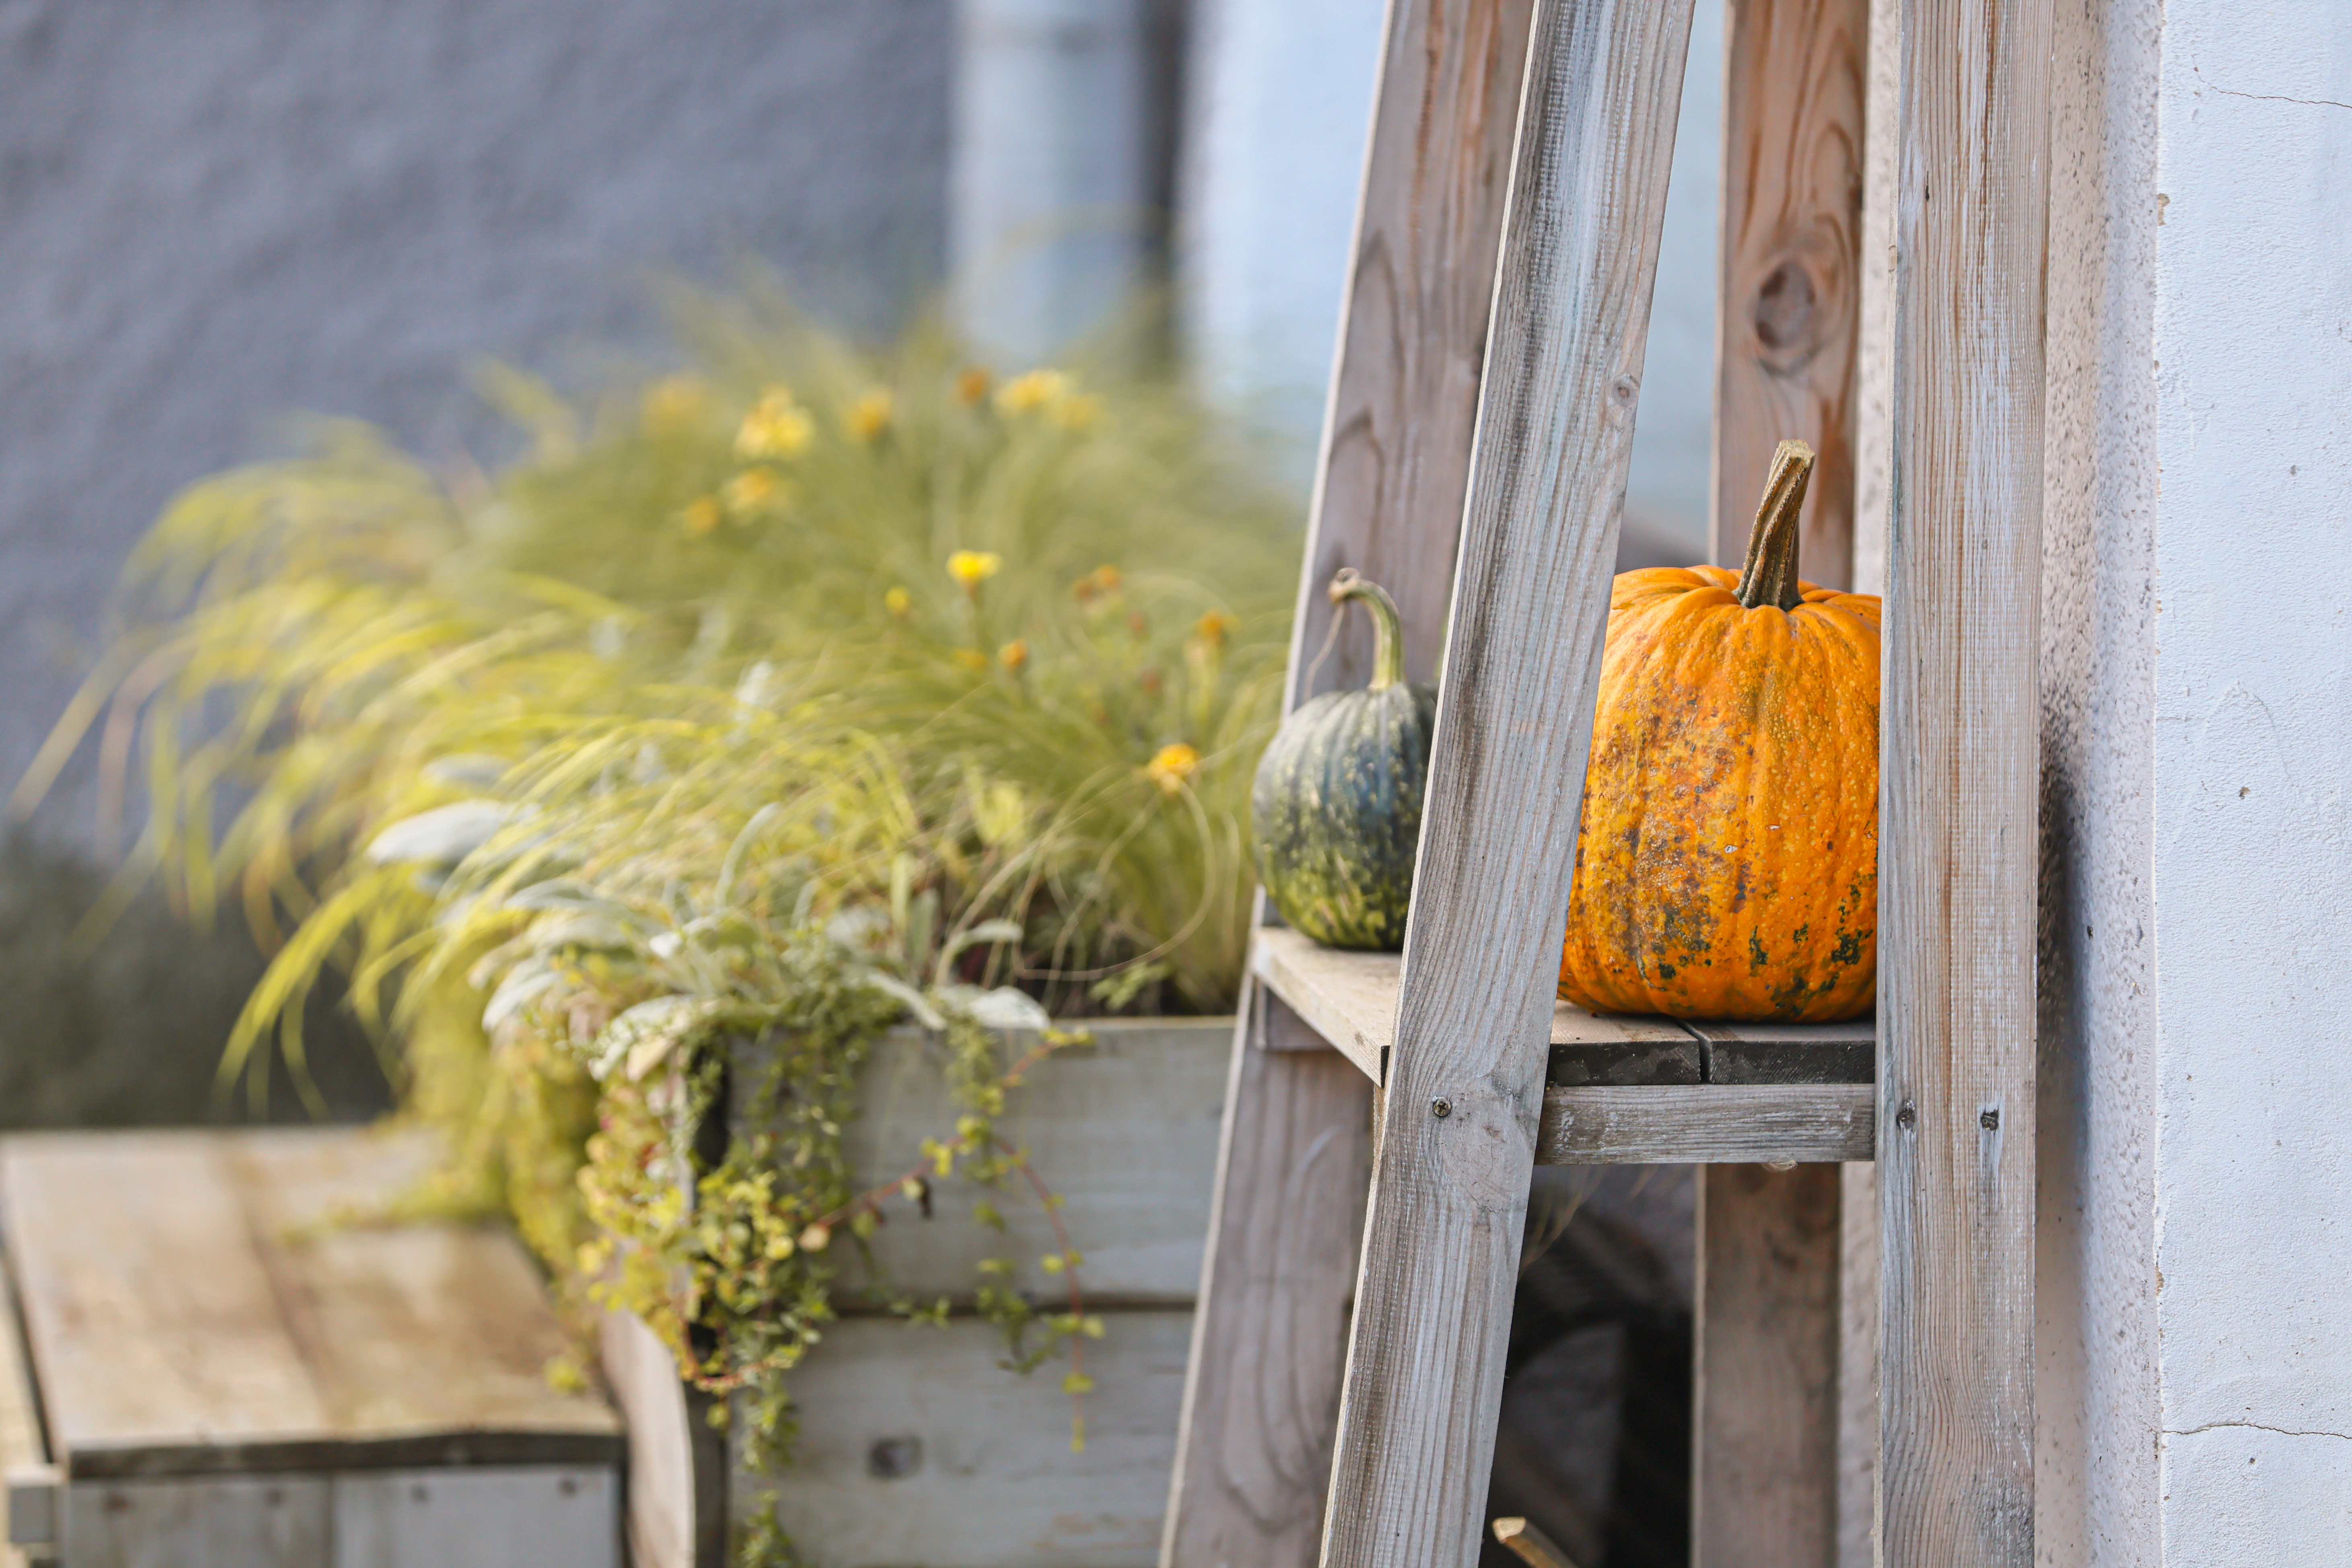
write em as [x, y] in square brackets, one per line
[223, 1374]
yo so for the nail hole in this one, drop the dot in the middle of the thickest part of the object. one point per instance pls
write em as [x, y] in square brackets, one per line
[1907, 1116]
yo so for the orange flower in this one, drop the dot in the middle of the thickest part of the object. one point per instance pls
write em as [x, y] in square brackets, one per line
[870, 415]
[1014, 655]
[971, 385]
[701, 518]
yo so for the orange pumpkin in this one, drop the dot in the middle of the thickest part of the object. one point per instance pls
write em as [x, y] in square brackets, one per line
[1728, 863]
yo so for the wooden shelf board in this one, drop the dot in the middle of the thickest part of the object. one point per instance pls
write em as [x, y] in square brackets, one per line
[1621, 1089]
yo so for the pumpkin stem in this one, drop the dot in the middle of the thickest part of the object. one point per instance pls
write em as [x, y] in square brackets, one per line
[1769, 575]
[1388, 625]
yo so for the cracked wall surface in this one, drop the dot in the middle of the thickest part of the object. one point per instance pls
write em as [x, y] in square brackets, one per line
[2251, 843]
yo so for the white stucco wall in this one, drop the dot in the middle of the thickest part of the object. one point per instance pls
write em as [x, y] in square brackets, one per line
[2251, 861]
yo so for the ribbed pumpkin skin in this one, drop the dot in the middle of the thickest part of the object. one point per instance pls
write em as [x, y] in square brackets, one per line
[1728, 863]
[1335, 813]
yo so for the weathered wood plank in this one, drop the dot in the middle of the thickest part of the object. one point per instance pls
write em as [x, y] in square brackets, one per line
[1958, 789]
[1348, 1000]
[917, 1446]
[1671, 1125]
[1858, 1367]
[433, 1519]
[1514, 727]
[1395, 457]
[1389, 487]
[254, 1521]
[1766, 1452]
[181, 1323]
[1261, 1394]
[1791, 276]
[1124, 1131]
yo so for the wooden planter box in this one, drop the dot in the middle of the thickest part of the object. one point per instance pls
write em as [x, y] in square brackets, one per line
[915, 1446]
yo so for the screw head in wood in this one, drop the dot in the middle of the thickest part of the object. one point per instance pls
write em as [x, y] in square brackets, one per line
[1441, 1107]
[1907, 1116]
[1990, 1120]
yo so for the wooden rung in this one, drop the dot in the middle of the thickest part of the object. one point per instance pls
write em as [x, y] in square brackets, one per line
[1699, 1124]
[1619, 1089]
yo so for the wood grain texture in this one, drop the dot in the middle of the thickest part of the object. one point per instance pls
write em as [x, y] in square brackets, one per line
[1389, 480]
[1124, 1131]
[917, 1447]
[1765, 1469]
[1261, 1394]
[1792, 170]
[1498, 831]
[1395, 457]
[1672, 1124]
[1348, 1000]
[180, 1323]
[1958, 789]
[1857, 1485]
[254, 1521]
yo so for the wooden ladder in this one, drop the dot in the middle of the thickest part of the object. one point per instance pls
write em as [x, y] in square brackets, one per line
[1342, 1398]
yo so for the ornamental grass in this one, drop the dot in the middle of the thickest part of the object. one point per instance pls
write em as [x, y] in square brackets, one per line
[794, 697]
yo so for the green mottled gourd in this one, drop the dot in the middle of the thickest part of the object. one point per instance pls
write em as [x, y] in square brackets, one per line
[1335, 815]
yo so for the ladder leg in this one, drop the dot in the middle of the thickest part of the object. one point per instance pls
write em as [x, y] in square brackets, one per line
[1270, 1331]
[1765, 1472]
[1463, 1100]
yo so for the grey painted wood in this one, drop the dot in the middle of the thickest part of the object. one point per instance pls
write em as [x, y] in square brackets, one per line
[1788, 1053]
[1261, 1394]
[253, 1521]
[182, 1320]
[1123, 1131]
[1514, 727]
[473, 1518]
[1765, 1458]
[1707, 1123]
[1958, 789]
[917, 1447]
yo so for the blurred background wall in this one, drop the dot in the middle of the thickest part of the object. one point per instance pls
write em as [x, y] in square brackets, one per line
[227, 213]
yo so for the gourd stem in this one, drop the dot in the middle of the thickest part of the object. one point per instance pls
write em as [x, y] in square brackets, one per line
[1388, 625]
[1770, 575]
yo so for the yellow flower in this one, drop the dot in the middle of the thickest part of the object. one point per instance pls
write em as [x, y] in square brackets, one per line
[702, 517]
[971, 568]
[1014, 655]
[754, 488]
[1172, 766]
[898, 602]
[1211, 628]
[971, 385]
[1037, 389]
[971, 659]
[673, 401]
[870, 415]
[775, 427]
